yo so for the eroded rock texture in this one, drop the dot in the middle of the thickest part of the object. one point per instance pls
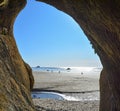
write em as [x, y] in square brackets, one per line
[100, 20]
[16, 78]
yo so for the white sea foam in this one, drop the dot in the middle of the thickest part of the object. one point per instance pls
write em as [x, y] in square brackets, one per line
[58, 96]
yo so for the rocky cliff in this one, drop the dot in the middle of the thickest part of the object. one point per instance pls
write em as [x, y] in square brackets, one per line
[100, 21]
[16, 78]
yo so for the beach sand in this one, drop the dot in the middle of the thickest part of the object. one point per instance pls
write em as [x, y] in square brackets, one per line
[55, 105]
[65, 82]
[77, 85]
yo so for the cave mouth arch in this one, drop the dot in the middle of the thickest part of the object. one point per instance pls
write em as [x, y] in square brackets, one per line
[27, 36]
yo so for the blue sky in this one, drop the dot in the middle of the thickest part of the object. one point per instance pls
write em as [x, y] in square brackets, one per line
[48, 37]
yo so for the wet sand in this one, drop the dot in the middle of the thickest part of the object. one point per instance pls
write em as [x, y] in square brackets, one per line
[76, 85]
[66, 82]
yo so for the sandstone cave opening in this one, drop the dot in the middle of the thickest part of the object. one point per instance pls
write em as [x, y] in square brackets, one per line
[31, 30]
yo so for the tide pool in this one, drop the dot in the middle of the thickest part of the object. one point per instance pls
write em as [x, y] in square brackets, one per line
[68, 97]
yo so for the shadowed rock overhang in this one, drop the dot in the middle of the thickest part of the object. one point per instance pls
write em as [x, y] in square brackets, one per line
[100, 21]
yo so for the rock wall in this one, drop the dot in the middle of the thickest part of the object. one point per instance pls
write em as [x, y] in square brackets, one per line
[100, 21]
[16, 78]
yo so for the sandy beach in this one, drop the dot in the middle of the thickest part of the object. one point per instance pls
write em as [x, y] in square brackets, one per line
[81, 86]
[55, 105]
[65, 82]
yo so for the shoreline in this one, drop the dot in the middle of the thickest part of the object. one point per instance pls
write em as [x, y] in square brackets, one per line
[62, 92]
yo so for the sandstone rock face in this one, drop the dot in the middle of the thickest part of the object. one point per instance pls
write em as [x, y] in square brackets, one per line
[100, 21]
[16, 78]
